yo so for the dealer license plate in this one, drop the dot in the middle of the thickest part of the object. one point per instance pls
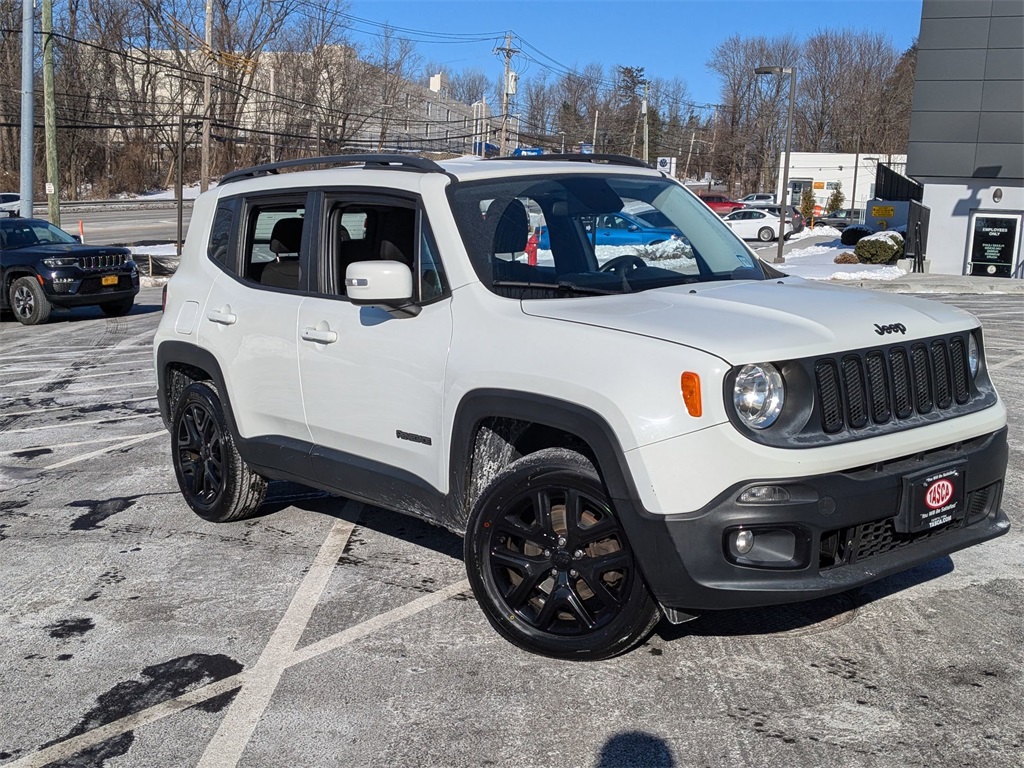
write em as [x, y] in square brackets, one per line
[932, 499]
[109, 280]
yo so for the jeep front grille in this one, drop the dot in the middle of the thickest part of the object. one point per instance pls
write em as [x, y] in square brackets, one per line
[103, 261]
[860, 389]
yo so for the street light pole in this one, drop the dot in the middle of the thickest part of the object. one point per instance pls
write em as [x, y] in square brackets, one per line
[791, 71]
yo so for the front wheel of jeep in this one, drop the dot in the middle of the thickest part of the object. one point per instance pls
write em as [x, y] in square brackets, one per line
[549, 562]
[28, 302]
[214, 479]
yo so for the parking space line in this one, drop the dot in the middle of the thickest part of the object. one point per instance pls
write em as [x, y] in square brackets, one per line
[240, 721]
[77, 377]
[78, 423]
[72, 746]
[47, 409]
[1006, 363]
[94, 441]
[118, 446]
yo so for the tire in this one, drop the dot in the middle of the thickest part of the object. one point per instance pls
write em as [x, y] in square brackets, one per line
[28, 302]
[549, 562]
[213, 478]
[118, 308]
[765, 234]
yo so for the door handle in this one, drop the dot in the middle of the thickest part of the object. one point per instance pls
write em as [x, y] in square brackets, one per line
[318, 335]
[224, 318]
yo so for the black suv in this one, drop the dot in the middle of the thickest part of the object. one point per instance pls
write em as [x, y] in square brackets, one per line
[42, 266]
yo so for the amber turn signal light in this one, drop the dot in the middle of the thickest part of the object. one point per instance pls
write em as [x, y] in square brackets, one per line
[690, 384]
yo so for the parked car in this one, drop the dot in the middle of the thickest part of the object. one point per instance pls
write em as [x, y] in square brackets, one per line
[42, 267]
[792, 214]
[839, 219]
[757, 197]
[756, 224]
[10, 201]
[720, 204]
[616, 442]
[623, 228]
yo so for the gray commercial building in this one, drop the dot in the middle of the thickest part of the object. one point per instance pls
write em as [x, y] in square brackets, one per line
[967, 134]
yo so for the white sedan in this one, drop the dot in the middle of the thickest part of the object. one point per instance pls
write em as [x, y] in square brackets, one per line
[9, 201]
[755, 224]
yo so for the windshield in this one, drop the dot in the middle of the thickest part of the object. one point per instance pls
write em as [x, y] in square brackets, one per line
[593, 234]
[20, 233]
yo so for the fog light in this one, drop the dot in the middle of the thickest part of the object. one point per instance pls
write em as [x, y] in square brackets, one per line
[762, 547]
[764, 494]
[743, 542]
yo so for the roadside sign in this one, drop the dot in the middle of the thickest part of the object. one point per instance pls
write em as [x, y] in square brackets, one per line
[586, 149]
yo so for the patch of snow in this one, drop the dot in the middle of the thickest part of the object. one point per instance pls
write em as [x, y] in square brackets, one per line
[818, 231]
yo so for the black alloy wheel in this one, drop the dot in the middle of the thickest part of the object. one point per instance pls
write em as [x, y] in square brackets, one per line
[28, 302]
[550, 562]
[214, 479]
[201, 453]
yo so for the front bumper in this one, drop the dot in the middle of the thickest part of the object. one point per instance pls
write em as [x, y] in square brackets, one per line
[845, 525]
[77, 288]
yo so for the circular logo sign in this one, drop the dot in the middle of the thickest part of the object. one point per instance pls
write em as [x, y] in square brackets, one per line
[938, 493]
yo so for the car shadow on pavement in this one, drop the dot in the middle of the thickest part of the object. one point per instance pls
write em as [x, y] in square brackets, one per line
[806, 618]
[282, 494]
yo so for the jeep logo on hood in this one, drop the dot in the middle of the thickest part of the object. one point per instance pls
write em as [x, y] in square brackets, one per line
[881, 330]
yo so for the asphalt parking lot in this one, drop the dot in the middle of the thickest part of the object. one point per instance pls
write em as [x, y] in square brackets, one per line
[329, 633]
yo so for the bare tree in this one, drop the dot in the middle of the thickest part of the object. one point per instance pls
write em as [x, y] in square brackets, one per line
[393, 60]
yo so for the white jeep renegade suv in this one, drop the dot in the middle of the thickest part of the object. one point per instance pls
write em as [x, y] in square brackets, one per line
[618, 431]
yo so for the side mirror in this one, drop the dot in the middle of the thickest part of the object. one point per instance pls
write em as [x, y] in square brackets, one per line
[77, 238]
[634, 228]
[384, 284]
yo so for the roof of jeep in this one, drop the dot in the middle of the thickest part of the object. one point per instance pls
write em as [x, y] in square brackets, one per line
[468, 168]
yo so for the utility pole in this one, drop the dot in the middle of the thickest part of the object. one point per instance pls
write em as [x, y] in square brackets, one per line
[50, 118]
[593, 140]
[647, 90]
[273, 115]
[693, 138]
[204, 163]
[508, 89]
[27, 84]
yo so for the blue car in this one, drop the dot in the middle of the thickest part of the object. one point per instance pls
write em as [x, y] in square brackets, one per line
[624, 228]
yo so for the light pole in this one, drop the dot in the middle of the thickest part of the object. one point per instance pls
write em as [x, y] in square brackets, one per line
[791, 71]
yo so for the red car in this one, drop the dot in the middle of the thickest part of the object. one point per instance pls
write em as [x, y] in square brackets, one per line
[721, 204]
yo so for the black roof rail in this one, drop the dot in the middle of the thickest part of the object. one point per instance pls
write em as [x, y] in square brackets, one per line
[394, 161]
[577, 158]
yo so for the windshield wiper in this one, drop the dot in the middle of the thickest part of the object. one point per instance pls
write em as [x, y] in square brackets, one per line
[561, 285]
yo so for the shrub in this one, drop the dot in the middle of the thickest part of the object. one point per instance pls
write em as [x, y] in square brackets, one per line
[807, 203]
[879, 248]
[847, 258]
[851, 235]
[835, 200]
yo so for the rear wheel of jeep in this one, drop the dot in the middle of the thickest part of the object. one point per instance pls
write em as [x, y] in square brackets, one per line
[28, 302]
[213, 478]
[550, 564]
[118, 308]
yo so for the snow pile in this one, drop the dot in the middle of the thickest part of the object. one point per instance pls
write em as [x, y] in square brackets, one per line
[817, 262]
[818, 231]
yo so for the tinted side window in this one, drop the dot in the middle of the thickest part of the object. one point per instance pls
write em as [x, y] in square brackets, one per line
[220, 236]
[271, 251]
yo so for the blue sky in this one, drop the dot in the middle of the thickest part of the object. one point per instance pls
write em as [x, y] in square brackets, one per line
[667, 37]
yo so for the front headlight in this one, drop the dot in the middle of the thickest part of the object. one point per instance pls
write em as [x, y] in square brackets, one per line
[64, 261]
[973, 355]
[758, 395]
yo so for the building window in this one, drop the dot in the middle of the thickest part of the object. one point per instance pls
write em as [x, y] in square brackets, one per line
[428, 109]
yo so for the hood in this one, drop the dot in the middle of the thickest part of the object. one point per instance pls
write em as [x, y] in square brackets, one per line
[74, 249]
[764, 320]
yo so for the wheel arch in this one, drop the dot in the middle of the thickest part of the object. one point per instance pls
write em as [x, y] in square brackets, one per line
[180, 363]
[528, 422]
